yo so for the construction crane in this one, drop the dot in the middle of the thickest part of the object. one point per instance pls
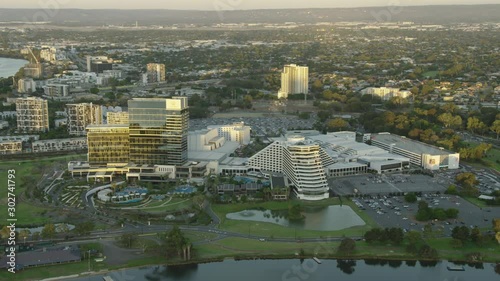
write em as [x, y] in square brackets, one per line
[36, 60]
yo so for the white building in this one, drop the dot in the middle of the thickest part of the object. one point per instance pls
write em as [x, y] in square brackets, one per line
[117, 118]
[56, 90]
[294, 80]
[81, 115]
[32, 114]
[420, 154]
[300, 160]
[205, 140]
[26, 85]
[386, 93]
[236, 132]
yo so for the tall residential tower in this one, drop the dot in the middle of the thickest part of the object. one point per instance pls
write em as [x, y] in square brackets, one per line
[32, 115]
[294, 80]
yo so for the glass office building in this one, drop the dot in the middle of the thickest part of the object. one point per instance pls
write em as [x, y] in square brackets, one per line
[158, 130]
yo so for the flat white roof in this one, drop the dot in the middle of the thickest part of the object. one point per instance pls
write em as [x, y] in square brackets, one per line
[410, 145]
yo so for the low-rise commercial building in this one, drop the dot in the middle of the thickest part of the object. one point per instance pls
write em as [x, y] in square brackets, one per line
[420, 154]
[57, 145]
[11, 147]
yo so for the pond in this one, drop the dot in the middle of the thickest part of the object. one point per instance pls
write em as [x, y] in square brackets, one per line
[324, 219]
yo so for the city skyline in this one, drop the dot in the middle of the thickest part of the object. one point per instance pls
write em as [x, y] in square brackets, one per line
[218, 5]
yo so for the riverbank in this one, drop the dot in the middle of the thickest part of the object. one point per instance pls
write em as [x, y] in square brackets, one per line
[252, 249]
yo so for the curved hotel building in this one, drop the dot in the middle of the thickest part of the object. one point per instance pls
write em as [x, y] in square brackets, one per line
[300, 160]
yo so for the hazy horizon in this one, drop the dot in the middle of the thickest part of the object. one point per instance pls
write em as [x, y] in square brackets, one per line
[217, 5]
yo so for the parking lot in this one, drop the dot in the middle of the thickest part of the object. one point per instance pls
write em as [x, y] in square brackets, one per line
[385, 184]
[261, 126]
[395, 212]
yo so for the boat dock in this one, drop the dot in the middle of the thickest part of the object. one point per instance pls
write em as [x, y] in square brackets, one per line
[317, 260]
[455, 268]
[107, 278]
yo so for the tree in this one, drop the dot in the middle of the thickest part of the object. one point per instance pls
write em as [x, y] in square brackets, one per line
[476, 236]
[127, 240]
[427, 252]
[395, 235]
[428, 230]
[24, 234]
[94, 91]
[495, 128]
[496, 225]
[475, 125]
[411, 197]
[62, 228]
[452, 213]
[337, 124]
[49, 231]
[461, 233]
[5, 232]
[347, 246]
[346, 266]
[84, 228]
[467, 179]
[175, 243]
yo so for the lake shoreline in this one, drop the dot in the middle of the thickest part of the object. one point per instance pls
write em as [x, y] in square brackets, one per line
[270, 258]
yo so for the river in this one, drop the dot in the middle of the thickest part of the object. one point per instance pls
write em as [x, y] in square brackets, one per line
[9, 67]
[294, 270]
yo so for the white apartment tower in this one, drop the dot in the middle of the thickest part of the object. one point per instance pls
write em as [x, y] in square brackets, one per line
[32, 115]
[81, 115]
[294, 80]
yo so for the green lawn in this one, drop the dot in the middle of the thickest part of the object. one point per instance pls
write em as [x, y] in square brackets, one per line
[431, 74]
[490, 251]
[492, 158]
[28, 172]
[274, 231]
[45, 272]
[478, 202]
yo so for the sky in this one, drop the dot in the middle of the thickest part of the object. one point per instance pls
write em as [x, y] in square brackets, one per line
[218, 5]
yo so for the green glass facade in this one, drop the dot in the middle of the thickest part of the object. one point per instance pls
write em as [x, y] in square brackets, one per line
[158, 131]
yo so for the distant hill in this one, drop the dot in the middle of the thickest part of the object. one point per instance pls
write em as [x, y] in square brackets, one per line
[418, 14]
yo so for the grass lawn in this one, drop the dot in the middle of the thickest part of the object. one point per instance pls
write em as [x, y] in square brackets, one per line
[477, 202]
[28, 172]
[431, 74]
[45, 272]
[492, 157]
[490, 250]
[274, 231]
[176, 204]
[490, 161]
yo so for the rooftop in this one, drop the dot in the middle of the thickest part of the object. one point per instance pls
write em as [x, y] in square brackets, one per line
[410, 145]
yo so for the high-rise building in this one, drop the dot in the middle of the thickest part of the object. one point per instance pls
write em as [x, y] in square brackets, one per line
[81, 115]
[26, 85]
[117, 118]
[301, 161]
[33, 70]
[155, 73]
[158, 130]
[32, 115]
[294, 80]
[108, 144]
[99, 64]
